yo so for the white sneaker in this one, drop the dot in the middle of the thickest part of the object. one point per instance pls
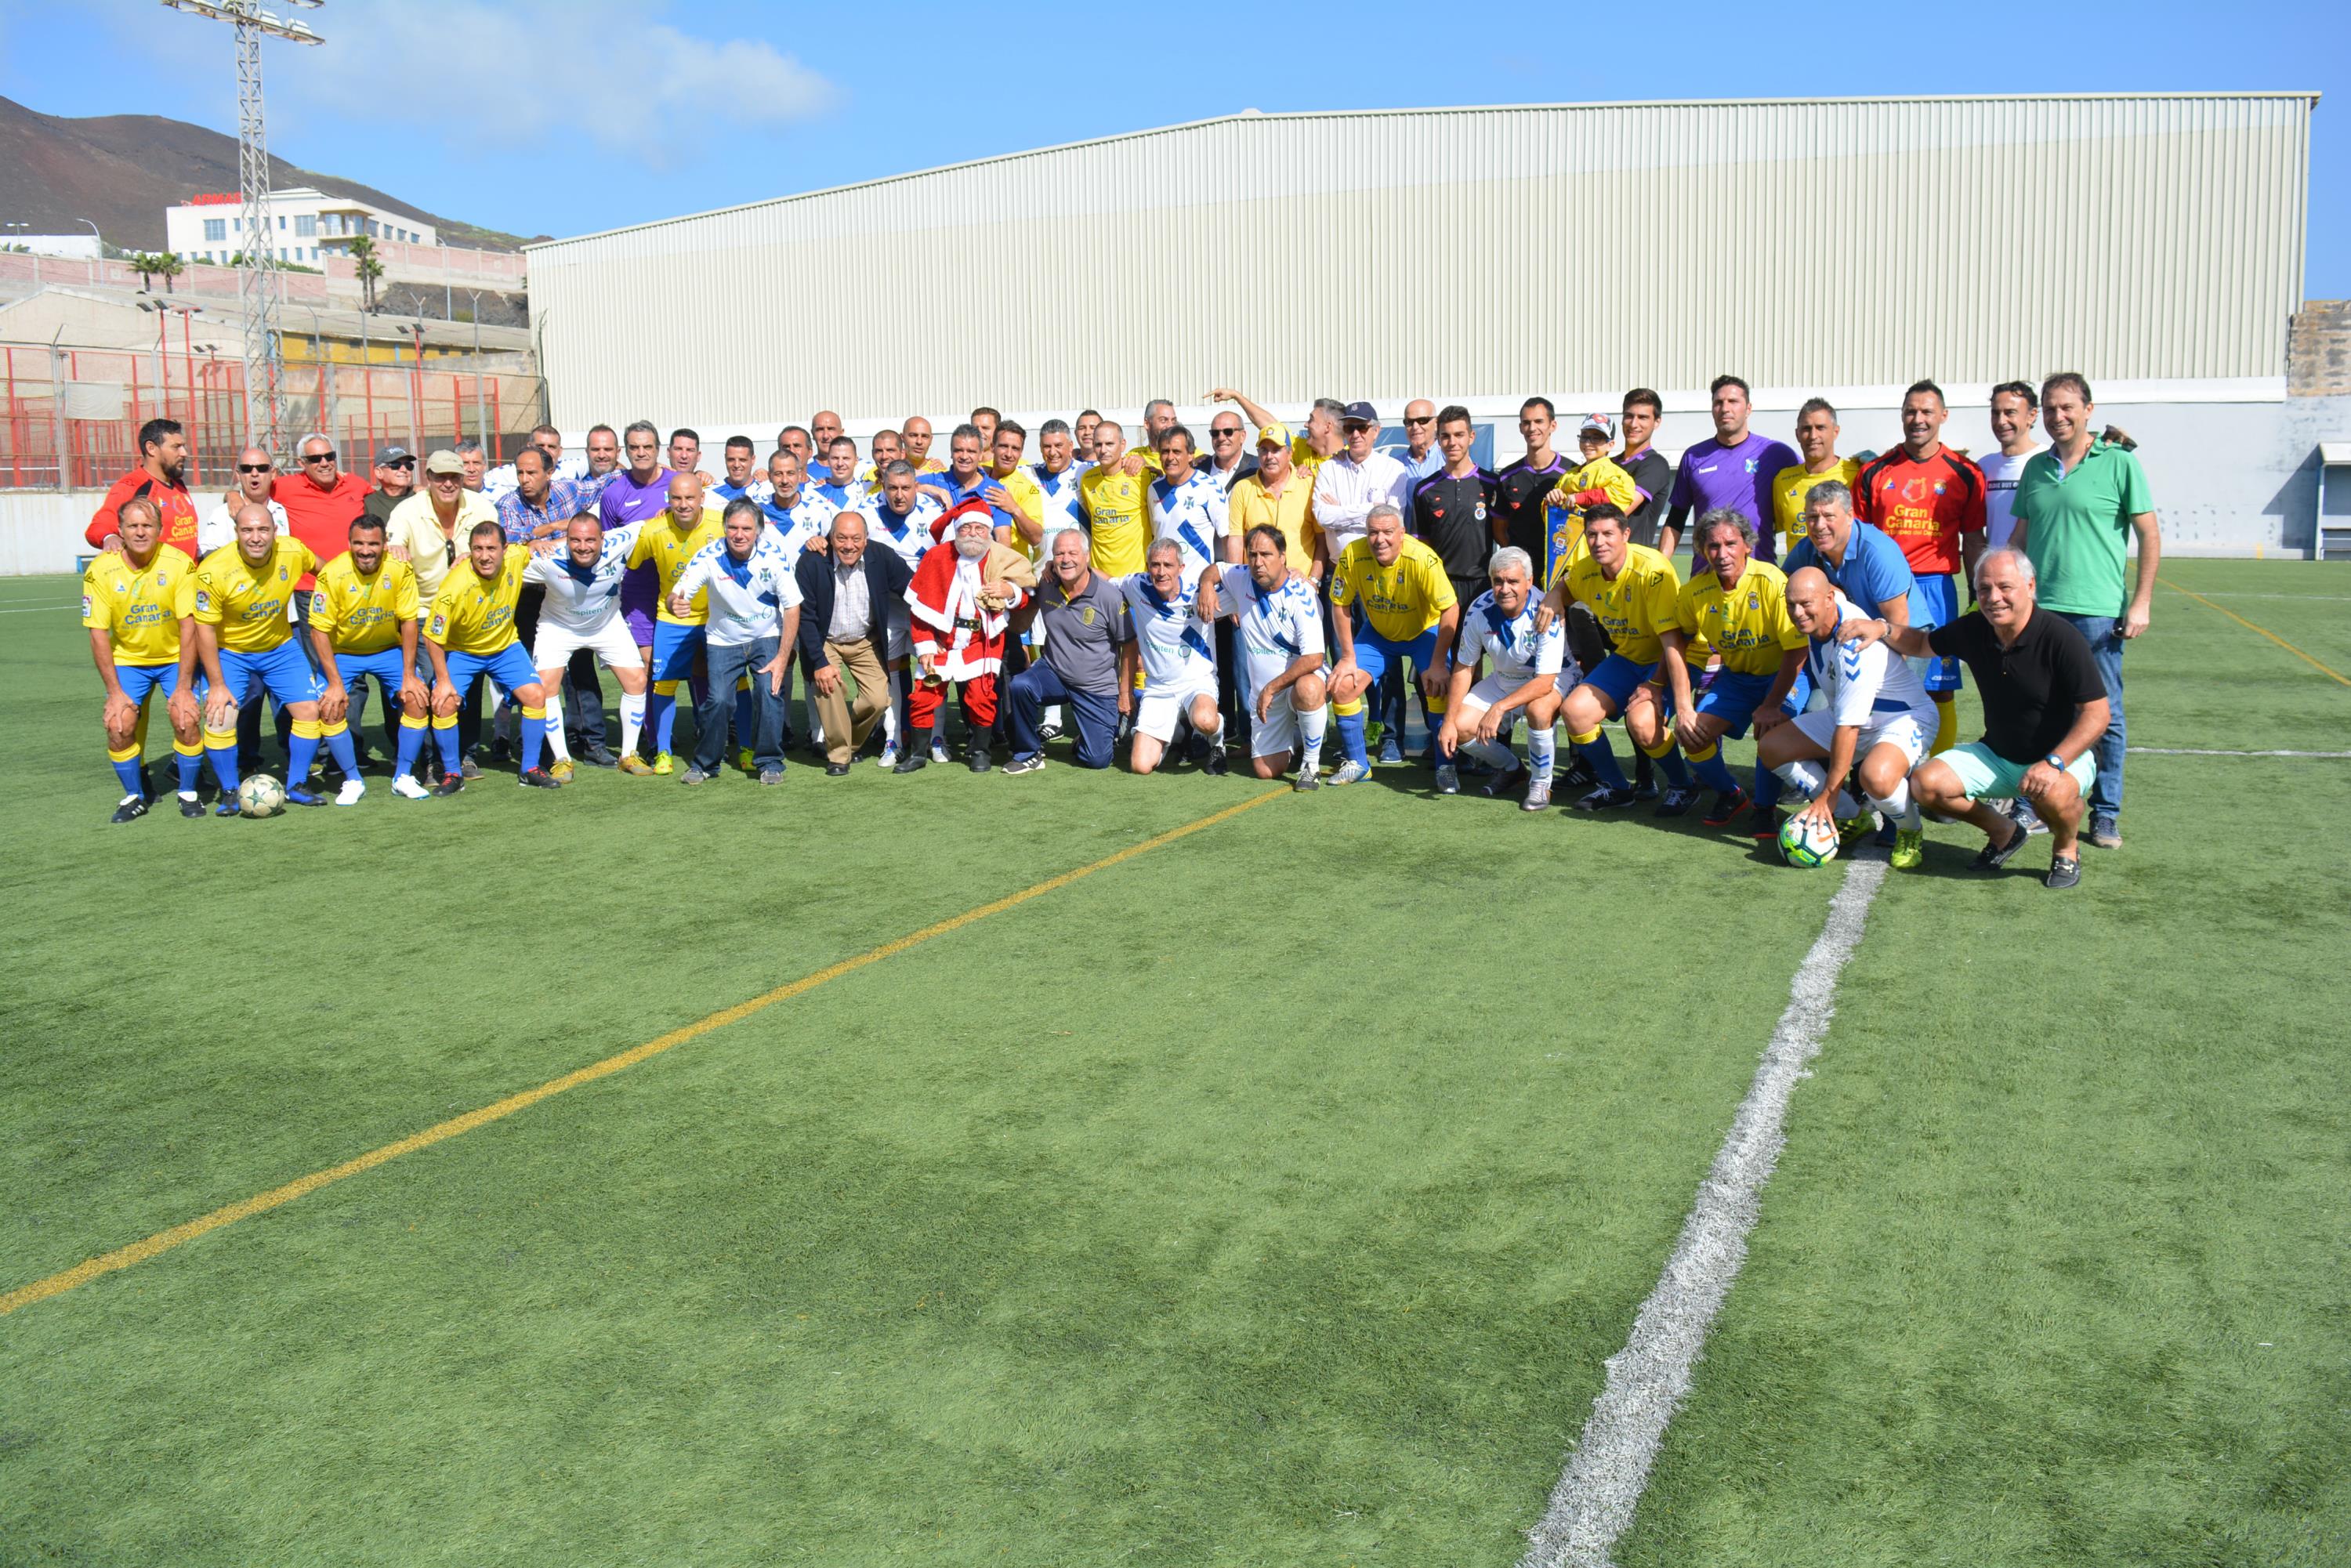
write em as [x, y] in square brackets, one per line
[888, 759]
[349, 795]
[939, 750]
[408, 789]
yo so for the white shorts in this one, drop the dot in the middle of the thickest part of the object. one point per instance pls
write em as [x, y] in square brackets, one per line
[902, 634]
[1903, 731]
[1493, 689]
[1276, 731]
[615, 645]
[1156, 714]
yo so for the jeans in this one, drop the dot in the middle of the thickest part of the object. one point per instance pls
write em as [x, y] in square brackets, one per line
[1096, 717]
[2104, 635]
[727, 665]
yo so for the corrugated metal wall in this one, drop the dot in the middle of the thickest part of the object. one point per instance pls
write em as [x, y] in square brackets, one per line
[1492, 250]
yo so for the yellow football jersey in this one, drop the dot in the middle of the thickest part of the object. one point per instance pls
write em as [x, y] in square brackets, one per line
[1121, 516]
[1401, 599]
[363, 614]
[1023, 488]
[249, 603]
[1748, 625]
[660, 543]
[1565, 520]
[1791, 484]
[1642, 600]
[472, 613]
[140, 608]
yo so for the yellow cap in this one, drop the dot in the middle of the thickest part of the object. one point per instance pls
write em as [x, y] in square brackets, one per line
[1274, 434]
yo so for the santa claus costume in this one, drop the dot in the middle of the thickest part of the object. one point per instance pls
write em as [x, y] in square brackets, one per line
[962, 601]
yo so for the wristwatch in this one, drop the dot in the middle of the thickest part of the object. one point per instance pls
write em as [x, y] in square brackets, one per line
[2055, 762]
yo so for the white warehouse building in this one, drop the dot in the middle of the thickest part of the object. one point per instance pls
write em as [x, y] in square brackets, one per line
[1845, 248]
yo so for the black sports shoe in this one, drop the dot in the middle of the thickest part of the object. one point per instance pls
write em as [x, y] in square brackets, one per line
[2063, 871]
[1576, 775]
[1679, 802]
[469, 769]
[1765, 828]
[450, 784]
[130, 811]
[304, 797]
[599, 756]
[1606, 799]
[1991, 857]
[1511, 783]
[1728, 804]
[540, 779]
[1216, 762]
[192, 808]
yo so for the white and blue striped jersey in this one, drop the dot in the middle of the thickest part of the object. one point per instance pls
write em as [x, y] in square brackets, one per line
[1866, 687]
[746, 598]
[1169, 635]
[585, 601]
[803, 520]
[1520, 654]
[1193, 515]
[910, 535]
[1269, 630]
[1063, 508]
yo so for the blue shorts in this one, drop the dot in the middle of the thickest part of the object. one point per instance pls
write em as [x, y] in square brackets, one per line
[282, 671]
[385, 664]
[1617, 677]
[138, 680]
[509, 667]
[1934, 601]
[674, 647]
[1733, 698]
[1373, 651]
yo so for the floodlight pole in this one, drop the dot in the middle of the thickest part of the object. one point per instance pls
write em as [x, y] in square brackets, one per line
[258, 283]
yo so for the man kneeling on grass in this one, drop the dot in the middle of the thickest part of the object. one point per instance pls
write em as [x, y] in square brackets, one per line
[2044, 706]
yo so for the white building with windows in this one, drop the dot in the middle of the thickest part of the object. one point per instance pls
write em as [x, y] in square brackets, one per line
[307, 226]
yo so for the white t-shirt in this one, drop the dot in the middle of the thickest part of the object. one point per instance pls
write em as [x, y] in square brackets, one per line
[2001, 473]
[219, 527]
[1168, 635]
[1519, 653]
[1345, 491]
[1868, 686]
[1269, 630]
[585, 602]
[1063, 509]
[746, 599]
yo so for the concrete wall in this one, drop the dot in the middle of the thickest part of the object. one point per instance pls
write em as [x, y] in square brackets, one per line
[40, 530]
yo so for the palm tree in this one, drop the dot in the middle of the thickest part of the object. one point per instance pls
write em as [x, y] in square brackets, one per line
[144, 264]
[363, 250]
[168, 266]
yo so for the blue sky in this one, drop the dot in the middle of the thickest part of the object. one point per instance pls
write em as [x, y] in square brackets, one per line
[638, 109]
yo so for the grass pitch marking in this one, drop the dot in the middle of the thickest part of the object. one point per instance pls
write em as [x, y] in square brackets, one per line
[163, 1241]
[2196, 751]
[1609, 1467]
[2337, 676]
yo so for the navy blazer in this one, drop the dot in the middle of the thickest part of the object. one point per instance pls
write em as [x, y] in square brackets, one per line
[887, 576]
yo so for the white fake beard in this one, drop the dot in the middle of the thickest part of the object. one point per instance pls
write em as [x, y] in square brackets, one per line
[970, 548]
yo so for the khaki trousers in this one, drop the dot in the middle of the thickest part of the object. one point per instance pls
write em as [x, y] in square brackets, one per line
[860, 662]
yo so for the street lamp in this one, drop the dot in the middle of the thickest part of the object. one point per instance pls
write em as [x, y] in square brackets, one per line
[257, 283]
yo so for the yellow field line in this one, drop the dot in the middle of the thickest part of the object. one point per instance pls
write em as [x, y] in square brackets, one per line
[163, 1241]
[2333, 674]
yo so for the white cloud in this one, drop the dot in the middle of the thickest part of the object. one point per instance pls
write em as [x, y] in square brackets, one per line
[543, 75]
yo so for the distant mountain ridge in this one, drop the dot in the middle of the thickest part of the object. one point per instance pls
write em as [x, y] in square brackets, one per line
[120, 170]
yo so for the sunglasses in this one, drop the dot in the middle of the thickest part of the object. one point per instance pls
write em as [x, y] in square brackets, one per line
[1430, 420]
[318, 457]
[408, 463]
[252, 467]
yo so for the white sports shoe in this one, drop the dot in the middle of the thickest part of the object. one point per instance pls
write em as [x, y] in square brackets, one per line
[938, 750]
[349, 795]
[408, 789]
[1350, 772]
[888, 759]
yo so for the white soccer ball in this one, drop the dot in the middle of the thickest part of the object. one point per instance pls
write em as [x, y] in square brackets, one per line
[260, 796]
[1806, 840]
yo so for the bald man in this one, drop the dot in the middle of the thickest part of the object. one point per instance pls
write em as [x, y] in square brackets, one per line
[914, 437]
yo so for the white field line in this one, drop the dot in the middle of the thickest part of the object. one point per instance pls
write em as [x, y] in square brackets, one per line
[2192, 751]
[1609, 1467]
[2317, 598]
[30, 608]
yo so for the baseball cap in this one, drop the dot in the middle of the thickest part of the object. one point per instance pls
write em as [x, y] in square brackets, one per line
[444, 462]
[393, 457]
[1274, 434]
[1360, 414]
[1600, 422]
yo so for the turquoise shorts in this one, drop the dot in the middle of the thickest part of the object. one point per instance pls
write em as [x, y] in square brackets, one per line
[1986, 775]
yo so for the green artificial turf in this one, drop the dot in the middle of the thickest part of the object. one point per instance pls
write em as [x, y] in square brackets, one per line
[1274, 1197]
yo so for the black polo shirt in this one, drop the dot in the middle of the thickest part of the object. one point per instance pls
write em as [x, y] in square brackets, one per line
[1455, 518]
[1519, 491]
[2034, 689]
[1655, 477]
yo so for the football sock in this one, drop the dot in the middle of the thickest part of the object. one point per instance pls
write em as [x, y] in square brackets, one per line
[633, 721]
[534, 734]
[301, 751]
[191, 765]
[412, 741]
[1677, 771]
[126, 768]
[445, 735]
[338, 736]
[1542, 750]
[555, 740]
[220, 750]
[1351, 731]
[1601, 758]
[1712, 772]
[1767, 789]
[1947, 727]
[1899, 803]
[1804, 775]
[661, 712]
[1311, 724]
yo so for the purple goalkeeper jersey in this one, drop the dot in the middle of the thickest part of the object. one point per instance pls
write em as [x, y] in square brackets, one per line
[1739, 477]
[626, 501]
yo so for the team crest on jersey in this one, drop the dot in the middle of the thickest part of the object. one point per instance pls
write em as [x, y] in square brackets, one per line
[1481, 511]
[1086, 616]
[281, 574]
[1751, 465]
[85, 604]
[203, 599]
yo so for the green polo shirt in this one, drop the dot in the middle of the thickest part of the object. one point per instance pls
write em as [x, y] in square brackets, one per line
[2080, 526]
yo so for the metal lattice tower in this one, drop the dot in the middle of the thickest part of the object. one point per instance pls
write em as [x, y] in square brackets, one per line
[259, 285]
